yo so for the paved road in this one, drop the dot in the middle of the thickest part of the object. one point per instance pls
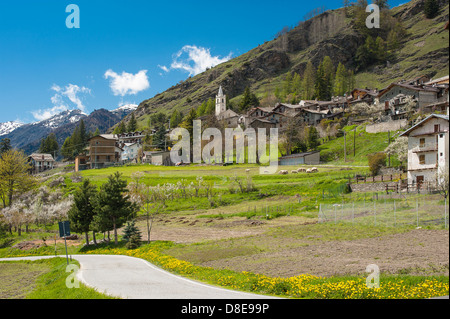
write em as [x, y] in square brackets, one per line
[134, 278]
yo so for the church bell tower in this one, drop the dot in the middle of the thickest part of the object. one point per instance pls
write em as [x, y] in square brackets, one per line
[221, 102]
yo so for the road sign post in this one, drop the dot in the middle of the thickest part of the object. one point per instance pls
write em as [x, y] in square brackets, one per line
[64, 231]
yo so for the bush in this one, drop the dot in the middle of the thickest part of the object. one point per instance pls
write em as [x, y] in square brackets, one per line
[431, 8]
[376, 162]
[132, 235]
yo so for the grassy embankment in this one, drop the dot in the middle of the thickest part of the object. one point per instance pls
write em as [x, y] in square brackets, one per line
[41, 279]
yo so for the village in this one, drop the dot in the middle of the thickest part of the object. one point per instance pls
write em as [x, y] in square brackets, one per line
[389, 109]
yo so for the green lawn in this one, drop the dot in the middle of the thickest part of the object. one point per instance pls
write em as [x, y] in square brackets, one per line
[42, 279]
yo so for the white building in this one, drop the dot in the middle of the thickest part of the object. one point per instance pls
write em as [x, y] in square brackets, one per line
[130, 151]
[428, 144]
[221, 102]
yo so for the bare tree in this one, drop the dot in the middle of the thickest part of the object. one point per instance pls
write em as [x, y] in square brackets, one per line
[442, 179]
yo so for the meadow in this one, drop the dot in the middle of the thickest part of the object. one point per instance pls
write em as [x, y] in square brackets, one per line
[268, 239]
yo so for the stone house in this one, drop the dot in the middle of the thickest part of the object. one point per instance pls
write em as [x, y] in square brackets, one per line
[40, 162]
[428, 149]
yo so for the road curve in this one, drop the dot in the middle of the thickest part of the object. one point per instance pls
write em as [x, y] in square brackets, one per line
[134, 278]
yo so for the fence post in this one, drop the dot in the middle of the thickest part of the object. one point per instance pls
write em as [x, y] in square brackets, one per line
[395, 214]
[335, 215]
[375, 212]
[417, 211]
[445, 213]
[320, 213]
[353, 212]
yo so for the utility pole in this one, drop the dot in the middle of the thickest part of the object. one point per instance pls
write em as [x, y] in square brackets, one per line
[389, 143]
[345, 147]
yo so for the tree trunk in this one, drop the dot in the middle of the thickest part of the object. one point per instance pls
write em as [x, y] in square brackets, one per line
[87, 238]
[116, 241]
[93, 236]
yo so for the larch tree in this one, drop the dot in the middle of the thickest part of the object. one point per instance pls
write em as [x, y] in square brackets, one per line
[14, 175]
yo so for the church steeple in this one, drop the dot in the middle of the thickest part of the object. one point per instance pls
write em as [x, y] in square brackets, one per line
[221, 102]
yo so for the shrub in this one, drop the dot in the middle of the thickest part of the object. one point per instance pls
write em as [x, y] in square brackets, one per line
[132, 235]
[376, 162]
[431, 8]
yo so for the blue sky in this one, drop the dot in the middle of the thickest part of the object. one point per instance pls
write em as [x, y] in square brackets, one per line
[124, 51]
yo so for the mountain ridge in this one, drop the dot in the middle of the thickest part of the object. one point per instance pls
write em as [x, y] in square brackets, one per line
[28, 136]
[328, 34]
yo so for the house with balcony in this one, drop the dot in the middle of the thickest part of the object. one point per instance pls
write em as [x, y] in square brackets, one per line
[103, 151]
[428, 149]
[40, 162]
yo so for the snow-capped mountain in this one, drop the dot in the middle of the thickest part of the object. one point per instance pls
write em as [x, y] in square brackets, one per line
[124, 110]
[8, 127]
[63, 118]
[28, 136]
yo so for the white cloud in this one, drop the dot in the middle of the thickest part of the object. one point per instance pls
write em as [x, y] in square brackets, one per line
[127, 83]
[41, 115]
[69, 93]
[195, 59]
[163, 67]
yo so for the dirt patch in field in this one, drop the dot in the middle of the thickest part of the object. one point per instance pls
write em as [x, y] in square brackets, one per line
[193, 231]
[424, 252]
[189, 229]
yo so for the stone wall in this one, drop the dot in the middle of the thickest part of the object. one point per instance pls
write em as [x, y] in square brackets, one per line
[387, 126]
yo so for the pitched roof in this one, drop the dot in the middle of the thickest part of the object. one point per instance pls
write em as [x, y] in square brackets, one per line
[408, 86]
[228, 114]
[42, 157]
[412, 128]
[299, 154]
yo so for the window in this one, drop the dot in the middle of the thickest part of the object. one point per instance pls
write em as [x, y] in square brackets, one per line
[421, 159]
[422, 142]
[437, 128]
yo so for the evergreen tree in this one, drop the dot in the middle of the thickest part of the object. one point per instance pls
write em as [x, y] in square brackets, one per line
[309, 78]
[312, 138]
[132, 124]
[341, 81]
[120, 129]
[431, 8]
[49, 145]
[351, 81]
[96, 133]
[297, 85]
[81, 215]
[201, 109]
[130, 230]
[365, 55]
[159, 139]
[5, 145]
[323, 85]
[210, 107]
[249, 99]
[113, 203]
[392, 42]
[67, 148]
[177, 118]
[380, 50]
[383, 4]
[188, 122]
[287, 85]
[83, 133]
